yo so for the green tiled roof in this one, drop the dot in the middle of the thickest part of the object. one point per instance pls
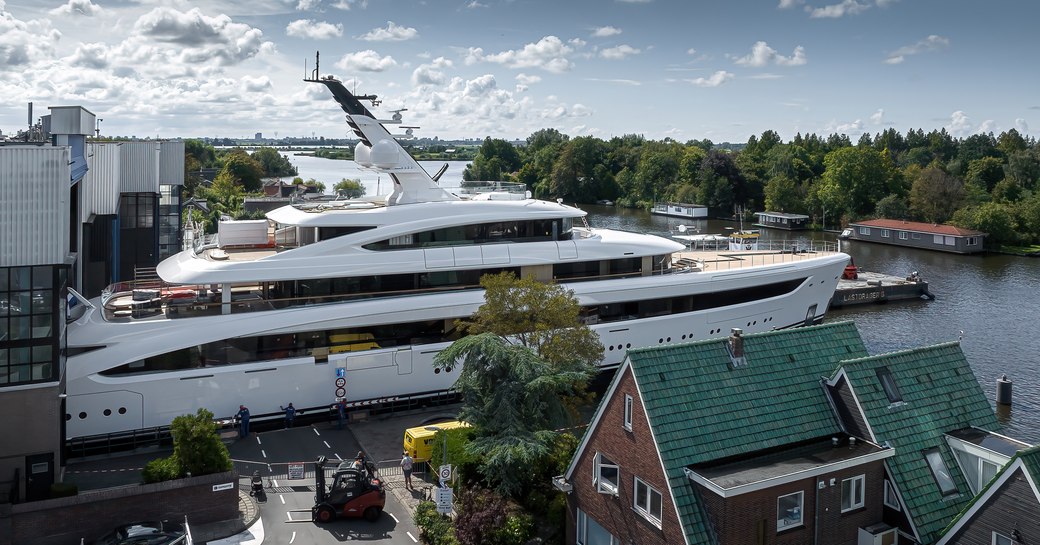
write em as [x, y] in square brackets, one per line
[1030, 459]
[701, 408]
[940, 394]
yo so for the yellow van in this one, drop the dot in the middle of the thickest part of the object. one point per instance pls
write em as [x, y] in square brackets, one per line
[418, 441]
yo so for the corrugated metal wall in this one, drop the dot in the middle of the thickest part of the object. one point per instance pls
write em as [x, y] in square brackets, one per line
[171, 163]
[139, 167]
[101, 184]
[34, 205]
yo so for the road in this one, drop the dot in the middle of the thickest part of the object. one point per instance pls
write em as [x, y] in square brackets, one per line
[286, 513]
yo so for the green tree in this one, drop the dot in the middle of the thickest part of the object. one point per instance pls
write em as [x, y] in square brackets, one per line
[349, 188]
[985, 173]
[892, 207]
[494, 160]
[935, 195]
[246, 170]
[861, 174]
[273, 163]
[204, 154]
[782, 195]
[196, 445]
[575, 173]
[524, 363]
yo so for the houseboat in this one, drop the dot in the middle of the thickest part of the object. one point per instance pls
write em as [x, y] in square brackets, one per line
[782, 220]
[680, 210]
[914, 234]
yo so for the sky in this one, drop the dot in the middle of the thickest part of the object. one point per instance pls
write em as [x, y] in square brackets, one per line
[680, 69]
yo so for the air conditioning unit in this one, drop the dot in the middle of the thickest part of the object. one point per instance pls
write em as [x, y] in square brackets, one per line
[878, 534]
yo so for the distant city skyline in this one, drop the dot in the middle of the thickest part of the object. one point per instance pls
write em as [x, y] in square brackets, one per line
[474, 68]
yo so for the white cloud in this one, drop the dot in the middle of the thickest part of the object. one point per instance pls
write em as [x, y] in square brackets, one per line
[834, 11]
[716, 79]
[878, 117]
[691, 51]
[631, 82]
[256, 84]
[605, 32]
[855, 127]
[549, 54]
[23, 42]
[75, 7]
[346, 5]
[761, 55]
[190, 37]
[314, 30]
[307, 5]
[430, 73]
[988, 126]
[619, 52]
[366, 61]
[392, 33]
[929, 44]
[765, 75]
[92, 55]
[1021, 126]
[785, 4]
[960, 124]
[474, 4]
[525, 79]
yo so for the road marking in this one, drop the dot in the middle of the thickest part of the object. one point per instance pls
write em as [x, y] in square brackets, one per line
[413, 537]
[281, 497]
[316, 432]
[275, 483]
[337, 456]
[327, 444]
[395, 518]
[258, 440]
[293, 538]
[264, 453]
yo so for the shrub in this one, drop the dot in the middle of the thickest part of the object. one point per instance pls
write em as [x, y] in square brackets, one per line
[61, 490]
[486, 517]
[197, 448]
[163, 469]
[434, 528]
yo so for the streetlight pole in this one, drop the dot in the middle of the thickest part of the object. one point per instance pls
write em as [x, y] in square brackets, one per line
[97, 128]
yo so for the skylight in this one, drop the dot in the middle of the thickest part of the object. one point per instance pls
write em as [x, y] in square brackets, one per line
[888, 383]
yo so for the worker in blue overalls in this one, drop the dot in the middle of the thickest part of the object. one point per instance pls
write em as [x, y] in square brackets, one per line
[243, 421]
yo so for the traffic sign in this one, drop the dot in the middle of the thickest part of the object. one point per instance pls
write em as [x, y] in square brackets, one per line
[340, 382]
[296, 470]
[444, 472]
[444, 498]
[341, 372]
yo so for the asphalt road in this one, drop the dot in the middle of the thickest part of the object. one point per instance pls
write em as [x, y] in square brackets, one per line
[286, 513]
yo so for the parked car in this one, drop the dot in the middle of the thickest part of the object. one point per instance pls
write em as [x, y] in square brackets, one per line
[146, 533]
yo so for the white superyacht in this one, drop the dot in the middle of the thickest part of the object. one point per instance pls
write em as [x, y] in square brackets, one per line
[354, 298]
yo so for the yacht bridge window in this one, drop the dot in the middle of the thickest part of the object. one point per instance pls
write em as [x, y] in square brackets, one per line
[481, 233]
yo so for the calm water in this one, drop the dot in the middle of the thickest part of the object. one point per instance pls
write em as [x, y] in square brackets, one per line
[991, 303]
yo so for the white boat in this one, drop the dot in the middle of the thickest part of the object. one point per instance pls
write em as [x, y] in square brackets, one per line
[354, 298]
[744, 240]
[680, 210]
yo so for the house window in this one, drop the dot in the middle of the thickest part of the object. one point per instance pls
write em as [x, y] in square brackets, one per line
[589, 532]
[885, 233]
[915, 236]
[891, 499]
[940, 472]
[937, 239]
[852, 493]
[950, 241]
[973, 241]
[888, 383]
[977, 470]
[605, 475]
[647, 502]
[902, 235]
[789, 511]
[864, 230]
[628, 412]
[1001, 539]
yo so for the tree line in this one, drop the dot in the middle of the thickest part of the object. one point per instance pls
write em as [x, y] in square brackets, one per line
[982, 182]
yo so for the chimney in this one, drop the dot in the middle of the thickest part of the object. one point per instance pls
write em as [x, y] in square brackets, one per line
[852, 442]
[736, 343]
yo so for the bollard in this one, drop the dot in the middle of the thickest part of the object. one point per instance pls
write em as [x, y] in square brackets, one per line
[1003, 391]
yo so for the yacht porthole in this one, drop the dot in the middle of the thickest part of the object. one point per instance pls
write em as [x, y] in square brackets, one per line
[684, 337]
[611, 348]
[108, 412]
[82, 416]
[448, 369]
[660, 341]
[669, 339]
[628, 345]
[68, 417]
[437, 371]
[122, 410]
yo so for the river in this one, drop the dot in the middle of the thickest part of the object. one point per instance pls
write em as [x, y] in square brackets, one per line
[988, 302]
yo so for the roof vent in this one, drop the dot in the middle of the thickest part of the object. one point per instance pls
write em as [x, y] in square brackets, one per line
[834, 441]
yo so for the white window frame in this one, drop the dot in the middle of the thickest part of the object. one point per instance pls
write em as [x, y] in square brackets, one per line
[582, 531]
[864, 230]
[604, 486]
[853, 503]
[915, 236]
[885, 233]
[780, 526]
[950, 241]
[1001, 539]
[628, 413]
[891, 498]
[645, 509]
[973, 241]
[937, 239]
[903, 235]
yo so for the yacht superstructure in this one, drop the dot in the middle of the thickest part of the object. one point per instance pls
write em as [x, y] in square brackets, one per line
[354, 298]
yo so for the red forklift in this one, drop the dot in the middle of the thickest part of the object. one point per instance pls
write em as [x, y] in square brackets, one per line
[354, 493]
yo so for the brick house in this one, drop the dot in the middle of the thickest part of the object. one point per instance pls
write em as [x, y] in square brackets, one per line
[772, 438]
[1007, 511]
